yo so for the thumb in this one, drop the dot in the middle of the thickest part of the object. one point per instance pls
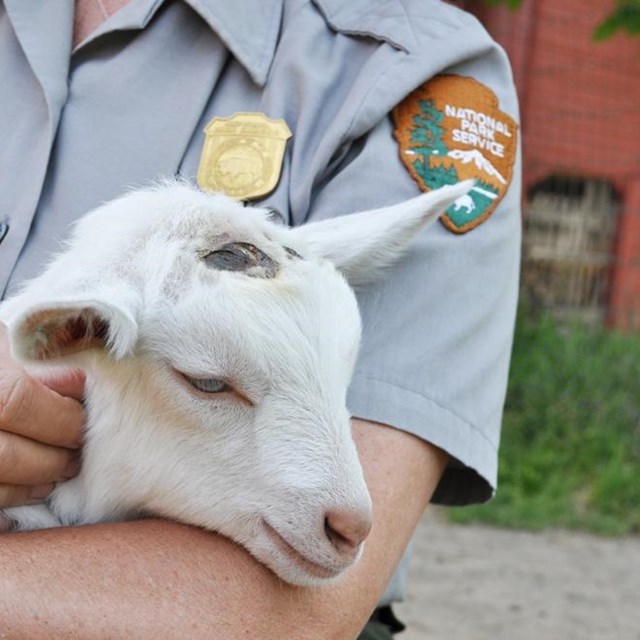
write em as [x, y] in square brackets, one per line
[68, 383]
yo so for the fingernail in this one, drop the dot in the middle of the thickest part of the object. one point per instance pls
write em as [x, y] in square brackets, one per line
[72, 468]
[40, 491]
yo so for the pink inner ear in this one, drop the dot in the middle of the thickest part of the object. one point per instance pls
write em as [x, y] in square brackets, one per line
[56, 333]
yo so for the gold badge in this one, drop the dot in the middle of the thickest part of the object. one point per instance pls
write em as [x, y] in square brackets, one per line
[242, 155]
[451, 129]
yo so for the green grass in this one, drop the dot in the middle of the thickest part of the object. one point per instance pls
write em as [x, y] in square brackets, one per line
[570, 453]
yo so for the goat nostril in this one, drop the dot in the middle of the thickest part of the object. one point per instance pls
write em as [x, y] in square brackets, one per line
[346, 529]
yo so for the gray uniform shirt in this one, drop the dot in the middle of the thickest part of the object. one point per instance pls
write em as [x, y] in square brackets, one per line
[130, 103]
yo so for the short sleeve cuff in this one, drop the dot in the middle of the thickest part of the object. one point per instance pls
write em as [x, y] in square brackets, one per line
[471, 474]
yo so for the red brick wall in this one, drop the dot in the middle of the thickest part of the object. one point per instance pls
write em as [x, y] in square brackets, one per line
[580, 108]
[580, 100]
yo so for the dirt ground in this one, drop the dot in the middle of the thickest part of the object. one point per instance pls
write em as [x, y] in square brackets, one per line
[479, 583]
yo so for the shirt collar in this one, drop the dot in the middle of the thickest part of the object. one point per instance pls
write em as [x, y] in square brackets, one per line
[44, 31]
[385, 20]
[249, 28]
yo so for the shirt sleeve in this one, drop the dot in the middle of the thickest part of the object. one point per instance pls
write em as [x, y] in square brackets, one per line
[438, 328]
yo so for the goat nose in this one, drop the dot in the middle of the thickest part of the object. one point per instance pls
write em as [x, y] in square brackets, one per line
[347, 528]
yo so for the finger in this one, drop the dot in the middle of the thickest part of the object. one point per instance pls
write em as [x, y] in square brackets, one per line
[29, 408]
[15, 495]
[24, 461]
[68, 383]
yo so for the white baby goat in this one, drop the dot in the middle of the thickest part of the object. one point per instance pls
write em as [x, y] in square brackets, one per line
[218, 347]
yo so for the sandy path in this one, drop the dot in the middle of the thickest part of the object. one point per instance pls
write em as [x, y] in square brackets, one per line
[478, 583]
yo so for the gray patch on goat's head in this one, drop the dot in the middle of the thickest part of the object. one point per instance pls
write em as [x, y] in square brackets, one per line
[242, 257]
[274, 215]
[178, 277]
[292, 254]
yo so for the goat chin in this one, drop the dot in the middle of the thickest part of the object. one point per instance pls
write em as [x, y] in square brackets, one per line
[218, 348]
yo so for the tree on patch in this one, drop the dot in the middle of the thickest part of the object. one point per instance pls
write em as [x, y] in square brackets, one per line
[427, 132]
[426, 139]
[438, 176]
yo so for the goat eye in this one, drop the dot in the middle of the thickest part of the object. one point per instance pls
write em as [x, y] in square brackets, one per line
[208, 385]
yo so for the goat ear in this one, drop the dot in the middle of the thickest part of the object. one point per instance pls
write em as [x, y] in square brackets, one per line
[361, 245]
[49, 330]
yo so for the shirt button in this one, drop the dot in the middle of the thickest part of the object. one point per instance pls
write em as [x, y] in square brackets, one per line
[4, 229]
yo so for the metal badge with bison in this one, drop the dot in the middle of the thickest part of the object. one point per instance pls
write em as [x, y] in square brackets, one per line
[242, 155]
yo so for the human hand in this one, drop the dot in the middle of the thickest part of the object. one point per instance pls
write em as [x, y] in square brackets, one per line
[41, 423]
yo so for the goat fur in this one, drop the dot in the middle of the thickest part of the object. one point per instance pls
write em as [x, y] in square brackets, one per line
[132, 302]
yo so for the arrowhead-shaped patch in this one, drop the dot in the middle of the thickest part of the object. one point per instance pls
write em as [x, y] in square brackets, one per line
[451, 129]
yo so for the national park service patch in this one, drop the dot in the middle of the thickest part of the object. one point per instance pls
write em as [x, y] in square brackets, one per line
[451, 129]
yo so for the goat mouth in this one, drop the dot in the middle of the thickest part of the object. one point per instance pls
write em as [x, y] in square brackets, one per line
[299, 559]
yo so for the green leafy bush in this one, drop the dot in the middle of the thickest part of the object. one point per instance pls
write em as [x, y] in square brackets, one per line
[570, 453]
[624, 17]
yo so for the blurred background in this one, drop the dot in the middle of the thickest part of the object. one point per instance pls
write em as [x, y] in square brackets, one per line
[557, 553]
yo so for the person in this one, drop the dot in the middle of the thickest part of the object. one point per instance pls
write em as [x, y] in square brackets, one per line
[382, 99]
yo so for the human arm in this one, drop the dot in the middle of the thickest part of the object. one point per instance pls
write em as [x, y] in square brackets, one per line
[160, 579]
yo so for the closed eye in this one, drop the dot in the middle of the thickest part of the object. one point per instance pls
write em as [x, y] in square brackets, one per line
[208, 385]
[214, 387]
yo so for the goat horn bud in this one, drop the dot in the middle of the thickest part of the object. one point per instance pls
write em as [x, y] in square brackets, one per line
[243, 257]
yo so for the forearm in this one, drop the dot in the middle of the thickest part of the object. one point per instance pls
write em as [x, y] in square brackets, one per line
[161, 579]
